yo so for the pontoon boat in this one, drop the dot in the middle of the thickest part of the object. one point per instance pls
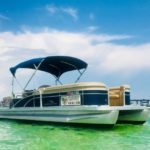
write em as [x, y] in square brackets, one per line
[85, 103]
[79, 102]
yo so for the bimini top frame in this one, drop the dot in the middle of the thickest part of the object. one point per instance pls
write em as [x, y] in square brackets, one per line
[55, 65]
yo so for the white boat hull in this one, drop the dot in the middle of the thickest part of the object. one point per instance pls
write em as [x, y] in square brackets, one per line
[64, 114]
[133, 114]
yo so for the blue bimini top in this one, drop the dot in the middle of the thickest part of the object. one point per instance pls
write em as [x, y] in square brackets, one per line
[55, 65]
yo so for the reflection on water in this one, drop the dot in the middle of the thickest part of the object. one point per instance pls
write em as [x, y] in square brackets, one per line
[23, 136]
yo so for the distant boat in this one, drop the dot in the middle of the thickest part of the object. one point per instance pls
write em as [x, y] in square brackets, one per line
[79, 102]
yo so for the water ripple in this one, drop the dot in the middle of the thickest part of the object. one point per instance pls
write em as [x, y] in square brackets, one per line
[23, 136]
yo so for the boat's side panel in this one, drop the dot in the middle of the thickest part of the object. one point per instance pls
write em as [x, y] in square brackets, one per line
[87, 97]
[93, 116]
[107, 118]
[94, 97]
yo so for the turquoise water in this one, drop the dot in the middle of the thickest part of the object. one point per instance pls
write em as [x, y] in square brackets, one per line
[23, 136]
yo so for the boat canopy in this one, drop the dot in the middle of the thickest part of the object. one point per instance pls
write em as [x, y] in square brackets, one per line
[55, 65]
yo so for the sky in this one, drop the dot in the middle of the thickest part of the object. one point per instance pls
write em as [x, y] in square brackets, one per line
[112, 36]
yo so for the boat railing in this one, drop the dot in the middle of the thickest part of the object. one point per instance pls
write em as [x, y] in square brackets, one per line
[17, 95]
[24, 94]
[141, 102]
[29, 101]
[70, 95]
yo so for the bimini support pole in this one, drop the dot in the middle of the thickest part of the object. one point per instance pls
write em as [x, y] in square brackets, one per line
[81, 73]
[12, 90]
[18, 82]
[13, 77]
[57, 80]
[36, 68]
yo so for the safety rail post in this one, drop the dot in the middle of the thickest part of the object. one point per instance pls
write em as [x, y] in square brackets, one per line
[41, 105]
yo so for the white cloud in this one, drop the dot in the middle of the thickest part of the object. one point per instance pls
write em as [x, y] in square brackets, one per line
[99, 50]
[55, 10]
[128, 58]
[72, 12]
[51, 8]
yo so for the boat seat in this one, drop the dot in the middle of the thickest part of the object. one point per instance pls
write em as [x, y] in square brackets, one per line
[114, 96]
[117, 94]
[27, 93]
